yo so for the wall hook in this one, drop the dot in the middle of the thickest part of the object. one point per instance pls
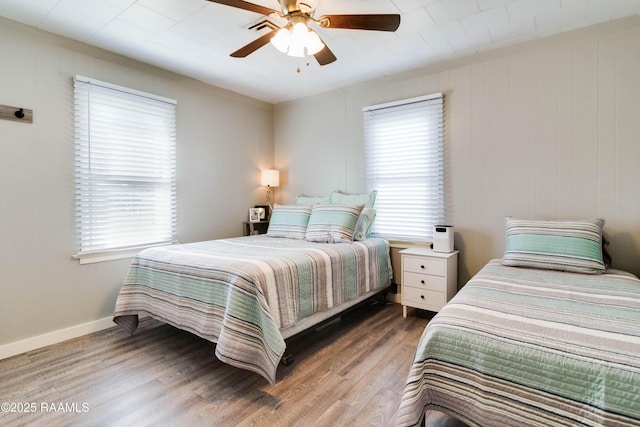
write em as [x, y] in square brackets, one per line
[16, 114]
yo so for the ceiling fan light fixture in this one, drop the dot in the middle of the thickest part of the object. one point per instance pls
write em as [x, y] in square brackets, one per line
[298, 41]
[299, 36]
[314, 44]
[296, 50]
[281, 40]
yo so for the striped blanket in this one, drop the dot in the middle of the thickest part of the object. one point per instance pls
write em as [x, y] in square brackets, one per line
[528, 347]
[241, 292]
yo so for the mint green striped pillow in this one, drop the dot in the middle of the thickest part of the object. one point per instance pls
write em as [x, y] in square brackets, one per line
[574, 246]
[332, 223]
[289, 221]
[301, 199]
[366, 199]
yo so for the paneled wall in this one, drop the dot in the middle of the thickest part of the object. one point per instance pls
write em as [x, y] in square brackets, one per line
[547, 129]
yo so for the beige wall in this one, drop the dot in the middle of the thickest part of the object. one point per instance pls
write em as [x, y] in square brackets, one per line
[547, 129]
[223, 140]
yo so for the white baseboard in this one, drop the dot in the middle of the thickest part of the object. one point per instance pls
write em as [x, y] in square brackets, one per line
[394, 298]
[22, 346]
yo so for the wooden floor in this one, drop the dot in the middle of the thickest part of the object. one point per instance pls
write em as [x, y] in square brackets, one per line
[349, 373]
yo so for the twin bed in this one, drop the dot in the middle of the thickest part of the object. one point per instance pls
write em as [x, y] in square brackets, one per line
[545, 336]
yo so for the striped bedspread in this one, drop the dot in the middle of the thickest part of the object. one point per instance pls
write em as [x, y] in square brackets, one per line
[240, 292]
[528, 347]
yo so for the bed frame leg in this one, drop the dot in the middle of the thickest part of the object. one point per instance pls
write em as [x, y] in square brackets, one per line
[287, 359]
[379, 299]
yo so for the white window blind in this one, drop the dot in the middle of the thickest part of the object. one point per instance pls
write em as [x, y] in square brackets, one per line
[404, 162]
[125, 168]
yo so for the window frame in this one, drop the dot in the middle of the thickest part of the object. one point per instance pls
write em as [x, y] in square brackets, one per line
[404, 213]
[125, 170]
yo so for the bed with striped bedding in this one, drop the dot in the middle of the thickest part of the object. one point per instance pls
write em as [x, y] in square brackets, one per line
[248, 294]
[530, 347]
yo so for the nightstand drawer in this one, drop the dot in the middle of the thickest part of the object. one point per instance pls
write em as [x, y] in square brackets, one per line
[423, 298]
[424, 281]
[425, 265]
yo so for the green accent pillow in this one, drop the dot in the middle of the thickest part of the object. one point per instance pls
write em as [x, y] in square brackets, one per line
[366, 199]
[289, 221]
[574, 246]
[301, 199]
[332, 223]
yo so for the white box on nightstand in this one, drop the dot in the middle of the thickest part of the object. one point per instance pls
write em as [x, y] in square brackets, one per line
[443, 238]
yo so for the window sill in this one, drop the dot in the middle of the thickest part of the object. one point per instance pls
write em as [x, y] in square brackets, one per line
[398, 244]
[114, 255]
[90, 259]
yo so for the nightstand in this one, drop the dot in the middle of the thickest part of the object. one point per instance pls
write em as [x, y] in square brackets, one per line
[429, 279]
[251, 228]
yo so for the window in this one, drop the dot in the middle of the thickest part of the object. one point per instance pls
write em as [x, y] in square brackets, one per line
[125, 168]
[404, 162]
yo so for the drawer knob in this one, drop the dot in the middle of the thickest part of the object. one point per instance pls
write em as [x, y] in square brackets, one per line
[422, 296]
[422, 281]
[422, 266]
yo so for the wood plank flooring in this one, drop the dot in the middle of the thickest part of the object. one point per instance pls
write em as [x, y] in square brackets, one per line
[349, 373]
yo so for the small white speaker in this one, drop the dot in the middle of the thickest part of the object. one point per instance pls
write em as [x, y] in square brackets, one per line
[443, 238]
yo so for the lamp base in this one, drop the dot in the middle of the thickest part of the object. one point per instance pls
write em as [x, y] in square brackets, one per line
[269, 201]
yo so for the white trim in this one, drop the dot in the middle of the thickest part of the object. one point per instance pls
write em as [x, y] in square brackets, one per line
[22, 346]
[102, 258]
[124, 89]
[394, 298]
[92, 257]
[402, 102]
[404, 245]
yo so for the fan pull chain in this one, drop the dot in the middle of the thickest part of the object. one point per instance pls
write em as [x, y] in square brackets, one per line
[298, 69]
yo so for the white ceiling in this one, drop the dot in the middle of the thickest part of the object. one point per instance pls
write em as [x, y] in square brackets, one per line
[195, 37]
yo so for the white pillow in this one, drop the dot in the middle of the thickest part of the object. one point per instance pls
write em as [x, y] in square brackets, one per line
[364, 224]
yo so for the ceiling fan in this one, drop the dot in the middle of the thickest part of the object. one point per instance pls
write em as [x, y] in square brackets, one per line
[296, 38]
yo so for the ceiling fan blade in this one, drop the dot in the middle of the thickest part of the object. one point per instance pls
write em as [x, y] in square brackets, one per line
[254, 45]
[240, 4]
[325, 56]
[379, 22]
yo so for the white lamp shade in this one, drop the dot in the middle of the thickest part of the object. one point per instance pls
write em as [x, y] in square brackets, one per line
[281, 40]
[314, 44]
[298, 40]
[270, 178]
